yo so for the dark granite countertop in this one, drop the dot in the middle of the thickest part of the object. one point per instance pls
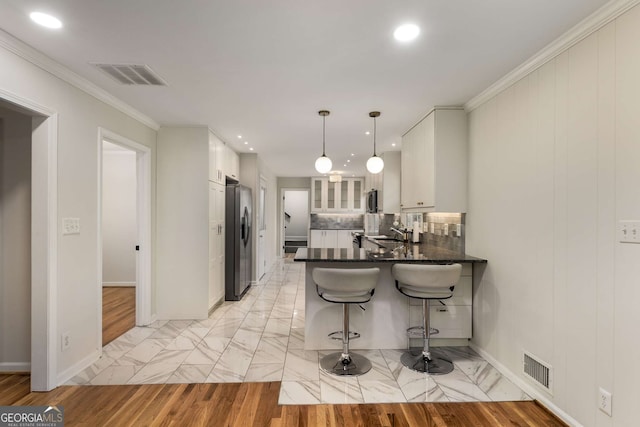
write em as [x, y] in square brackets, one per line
[418, 253]
[336, 228]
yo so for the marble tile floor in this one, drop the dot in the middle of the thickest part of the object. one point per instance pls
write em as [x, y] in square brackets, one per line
[254, 339]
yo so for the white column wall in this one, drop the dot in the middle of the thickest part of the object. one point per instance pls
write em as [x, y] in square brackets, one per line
[183, 223]
[554, 164]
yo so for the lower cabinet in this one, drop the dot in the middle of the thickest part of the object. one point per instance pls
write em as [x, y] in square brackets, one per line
[331, 239]
[216, 242]
[453, 316]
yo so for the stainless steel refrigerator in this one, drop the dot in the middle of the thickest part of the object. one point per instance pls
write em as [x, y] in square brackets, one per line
[237, 241]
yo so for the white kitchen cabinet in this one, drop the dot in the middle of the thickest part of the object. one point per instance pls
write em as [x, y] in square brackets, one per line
[434, 163]
[231, 163]
[216, 242]
[216, 159]
[345, 238]
[334, 197]
[332, 239]
[324, 239]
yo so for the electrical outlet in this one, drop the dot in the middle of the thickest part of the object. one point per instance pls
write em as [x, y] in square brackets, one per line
[604, 401]
[66, 341]
[70, 225]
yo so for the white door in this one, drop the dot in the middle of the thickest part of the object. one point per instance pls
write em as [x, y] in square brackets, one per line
[262, 228]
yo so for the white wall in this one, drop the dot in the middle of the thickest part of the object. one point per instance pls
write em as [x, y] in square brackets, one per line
[15, 241]
[119, 222]
[296, 204]
[183, 223]
[79, 116]
[251, 169]
[554, 164]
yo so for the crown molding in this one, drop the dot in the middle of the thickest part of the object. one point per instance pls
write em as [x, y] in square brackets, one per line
[583, 29]
[28, 53]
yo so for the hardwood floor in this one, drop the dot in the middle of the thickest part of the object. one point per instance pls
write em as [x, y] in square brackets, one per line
[253, 404]
[118, 312]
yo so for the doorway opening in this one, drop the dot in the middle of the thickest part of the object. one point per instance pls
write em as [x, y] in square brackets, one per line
[119, 240]
[295, 220]
[124, 200]
[15, 239]
[37, 156]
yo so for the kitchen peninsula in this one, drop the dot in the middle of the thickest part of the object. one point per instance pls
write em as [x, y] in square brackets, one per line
[382, 322]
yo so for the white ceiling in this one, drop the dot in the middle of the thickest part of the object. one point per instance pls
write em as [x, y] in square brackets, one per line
[263, 69]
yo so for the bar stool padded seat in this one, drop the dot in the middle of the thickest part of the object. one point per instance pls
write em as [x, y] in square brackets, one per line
[345, 286]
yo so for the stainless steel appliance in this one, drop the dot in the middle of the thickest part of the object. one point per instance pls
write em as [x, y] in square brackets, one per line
[237, 241]
[372, 201]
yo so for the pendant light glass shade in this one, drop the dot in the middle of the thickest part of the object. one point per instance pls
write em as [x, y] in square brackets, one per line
[323, 163]
[375, 164]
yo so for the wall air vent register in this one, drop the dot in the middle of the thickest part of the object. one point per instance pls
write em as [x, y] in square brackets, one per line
[131, 74]
[538, 371]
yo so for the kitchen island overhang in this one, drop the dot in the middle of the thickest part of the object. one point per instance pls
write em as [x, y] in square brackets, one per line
[382, 323]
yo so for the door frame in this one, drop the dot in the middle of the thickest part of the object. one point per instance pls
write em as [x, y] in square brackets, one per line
[44, 241]
[143, 217]
[283, 236]
[261, 221]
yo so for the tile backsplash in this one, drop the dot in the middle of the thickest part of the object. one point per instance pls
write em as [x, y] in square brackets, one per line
[337, 221]
[444, 230]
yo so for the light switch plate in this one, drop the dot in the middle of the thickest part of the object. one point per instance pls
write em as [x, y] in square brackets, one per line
[70, 226]
[629, 231]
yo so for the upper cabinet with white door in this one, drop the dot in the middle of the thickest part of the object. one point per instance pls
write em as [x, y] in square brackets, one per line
[434, 163]
[216, 159]
[333, 197]
[231, 163]
[223, 161]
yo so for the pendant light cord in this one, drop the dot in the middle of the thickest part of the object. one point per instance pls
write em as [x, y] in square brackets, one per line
[374, 136]
[323, 127]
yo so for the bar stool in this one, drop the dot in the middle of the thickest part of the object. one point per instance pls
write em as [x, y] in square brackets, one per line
[426, 282]
[346, 287]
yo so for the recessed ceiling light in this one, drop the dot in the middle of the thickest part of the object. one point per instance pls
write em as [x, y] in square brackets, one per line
[348, 160]
[345, 165]
[352, 154]
[239, 136]
[406, 32]
[393, 144]
[246, 143]
[250, 148]
[367, 133]
[45, 20]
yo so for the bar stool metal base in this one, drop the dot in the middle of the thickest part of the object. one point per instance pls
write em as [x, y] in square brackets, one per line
[334, 364]
[438, 365]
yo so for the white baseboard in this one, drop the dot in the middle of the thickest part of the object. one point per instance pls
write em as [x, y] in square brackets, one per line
[78, 367]
[526, 387]
[15, 367]
[119, 284]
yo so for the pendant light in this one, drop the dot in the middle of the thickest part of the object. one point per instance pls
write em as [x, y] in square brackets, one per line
[323, 163]
[375, 164]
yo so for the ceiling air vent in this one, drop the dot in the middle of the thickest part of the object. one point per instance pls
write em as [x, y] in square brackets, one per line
[537, 370]
[132, 74]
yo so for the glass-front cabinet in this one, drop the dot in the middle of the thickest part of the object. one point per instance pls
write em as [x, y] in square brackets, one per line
[344, 196]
